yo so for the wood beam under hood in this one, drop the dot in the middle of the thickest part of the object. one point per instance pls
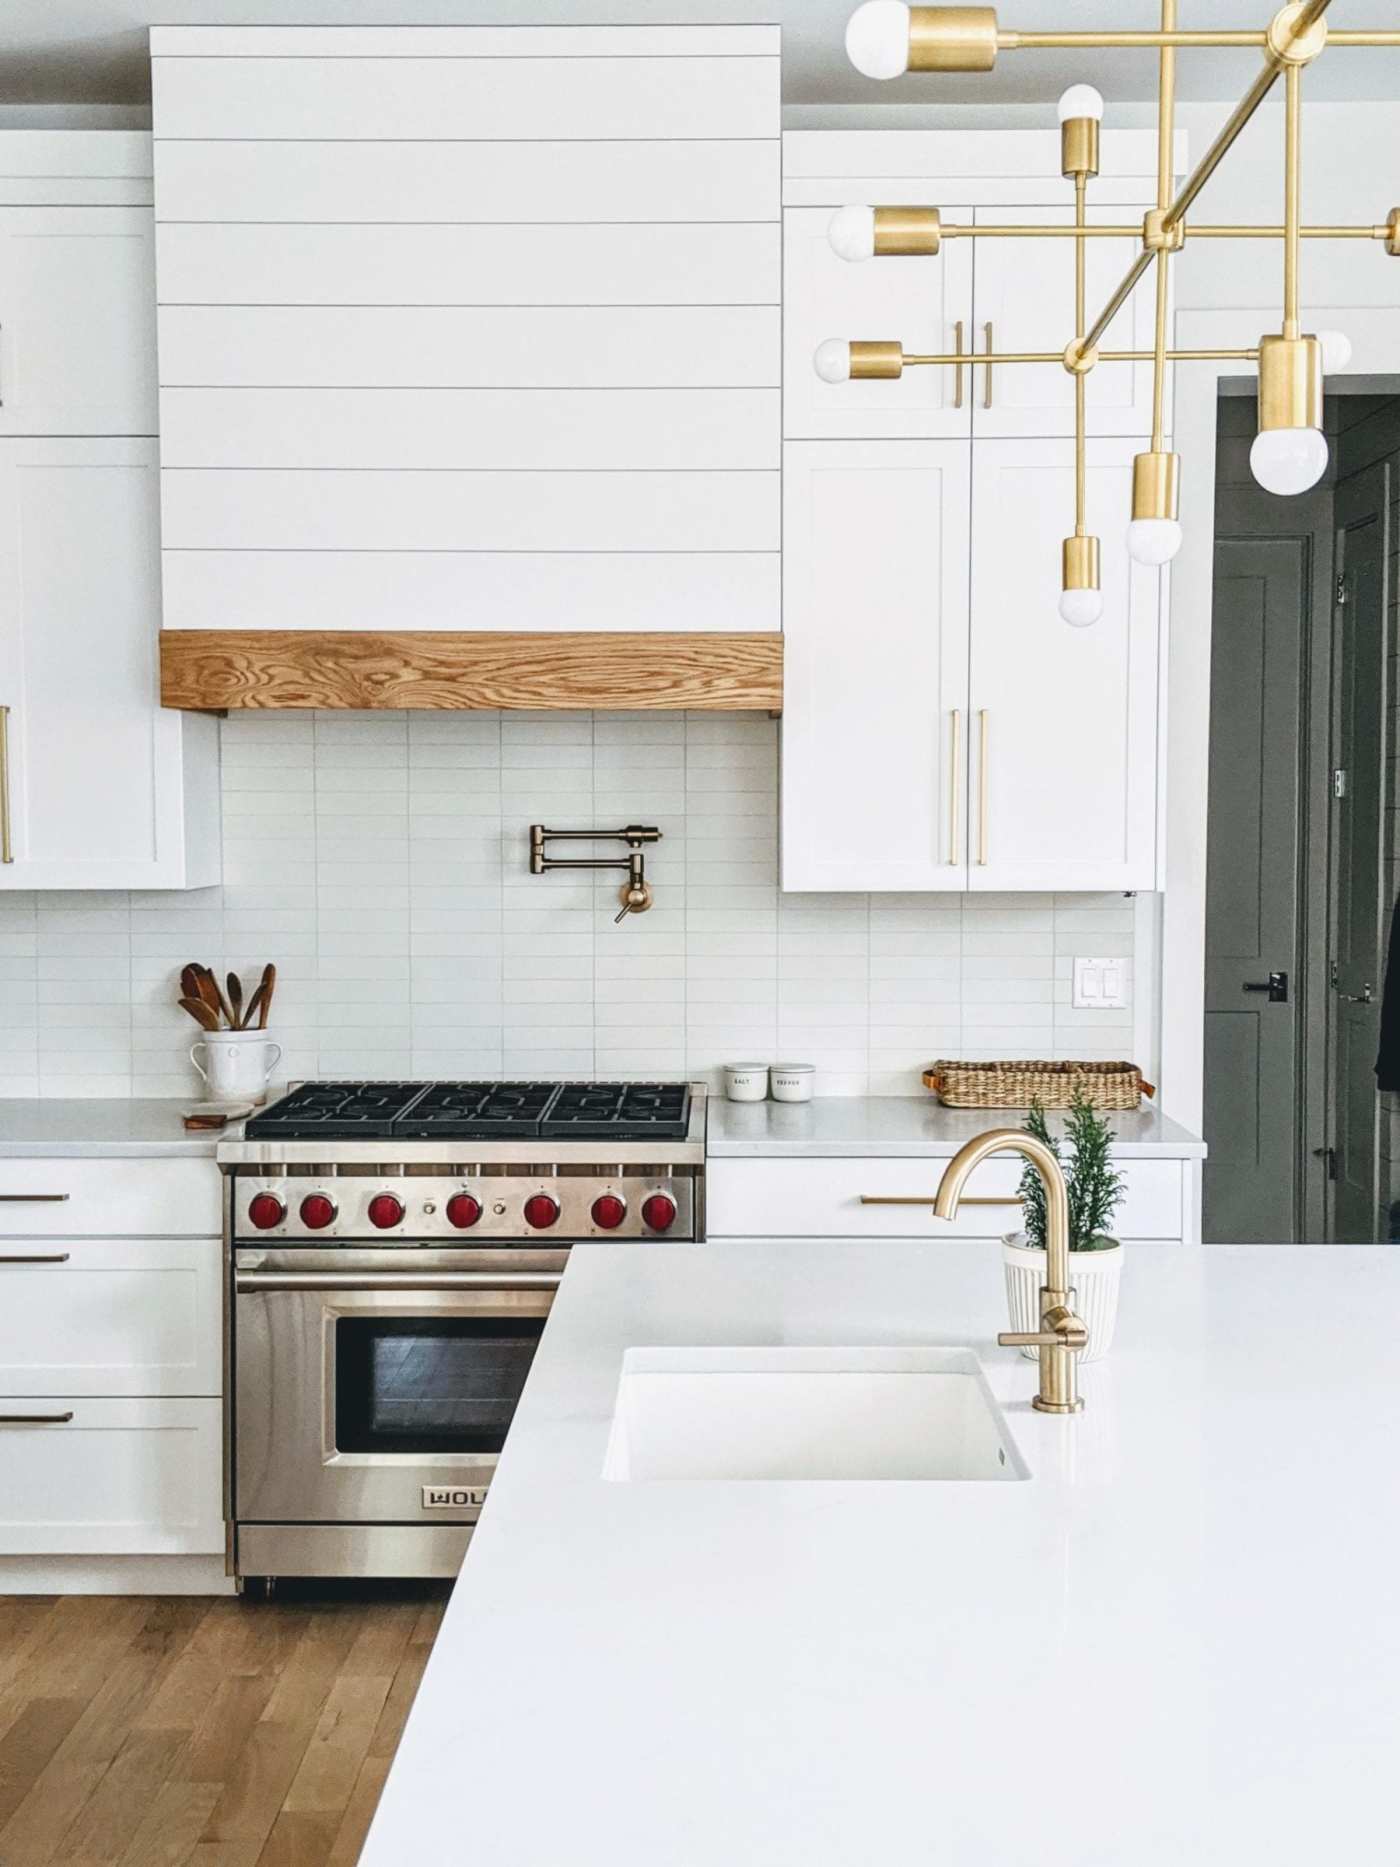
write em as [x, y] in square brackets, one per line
[217, 670]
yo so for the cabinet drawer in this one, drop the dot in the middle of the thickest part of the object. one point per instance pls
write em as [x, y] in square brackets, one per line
[822, 1198]
[106, 1198]
[117, 1478]
[110, 1316]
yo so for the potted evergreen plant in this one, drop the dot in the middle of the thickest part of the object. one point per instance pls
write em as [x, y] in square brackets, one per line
[1095, 1189]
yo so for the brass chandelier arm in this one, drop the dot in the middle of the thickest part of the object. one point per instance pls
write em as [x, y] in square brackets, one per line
[949, 358]
[1166, 119]
[1311, 11]
[1067, 231]
[1292, 196]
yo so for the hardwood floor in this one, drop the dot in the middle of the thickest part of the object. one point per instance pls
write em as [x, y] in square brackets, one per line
[197, 1733]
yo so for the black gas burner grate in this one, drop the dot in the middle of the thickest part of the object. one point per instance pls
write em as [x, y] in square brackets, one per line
[476, 1112]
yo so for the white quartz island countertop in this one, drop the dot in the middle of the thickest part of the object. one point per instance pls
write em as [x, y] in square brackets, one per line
[1177, 1641]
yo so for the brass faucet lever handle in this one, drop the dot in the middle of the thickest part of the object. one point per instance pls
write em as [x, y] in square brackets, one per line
[1063, 1330]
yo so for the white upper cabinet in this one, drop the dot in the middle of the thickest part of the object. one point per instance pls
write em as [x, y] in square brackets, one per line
[505, 301]
[874, 736]
[1024, 300]
[77, 320]
[925, 304]
[100, 787]
[1064, 746]
[946, 732]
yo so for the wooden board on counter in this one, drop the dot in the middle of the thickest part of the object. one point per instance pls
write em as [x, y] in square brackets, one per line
[215, 670]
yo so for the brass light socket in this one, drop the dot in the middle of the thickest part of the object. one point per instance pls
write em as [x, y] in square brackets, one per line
[1079, 560]
[1158, 238]
[1392, 233]
[1156, 481]
[1289, 50]
[1290, 382]
[1079, 146]
[952, 38]
[870, 360]
[907, 230]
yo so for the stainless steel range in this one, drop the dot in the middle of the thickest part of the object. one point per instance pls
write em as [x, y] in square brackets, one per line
[394, 1250]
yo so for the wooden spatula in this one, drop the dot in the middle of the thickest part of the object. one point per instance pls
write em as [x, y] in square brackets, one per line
[235, 1000]
[203, 1014]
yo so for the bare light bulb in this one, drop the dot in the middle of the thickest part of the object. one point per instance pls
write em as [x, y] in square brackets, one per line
[832, 360]
[1080, 608]
[1336, 351]
[1153, 541]
[877, 38]
[1288, 460]
[1081, 100]
[851, 233]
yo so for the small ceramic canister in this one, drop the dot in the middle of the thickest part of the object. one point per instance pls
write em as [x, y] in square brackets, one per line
[792, 1082]
[746, 1082]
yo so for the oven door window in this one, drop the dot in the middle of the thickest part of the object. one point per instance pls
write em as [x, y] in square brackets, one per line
[412, 1385]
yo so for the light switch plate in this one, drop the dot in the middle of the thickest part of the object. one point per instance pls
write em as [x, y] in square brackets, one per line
[1099, 985]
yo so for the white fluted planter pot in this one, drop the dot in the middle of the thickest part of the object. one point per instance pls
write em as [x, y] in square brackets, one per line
[1094, 1277]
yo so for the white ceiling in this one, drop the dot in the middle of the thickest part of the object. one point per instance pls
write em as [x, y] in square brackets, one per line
[94, 51]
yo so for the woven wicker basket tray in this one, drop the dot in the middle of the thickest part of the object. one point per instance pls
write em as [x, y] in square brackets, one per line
[1016, 1085]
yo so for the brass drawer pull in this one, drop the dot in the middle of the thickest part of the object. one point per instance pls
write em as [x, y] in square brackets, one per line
[959, 366]
[982, 737]
[987, 388]
[38, 1257]
[36, 1419]
[33, 1199]
[7, 853]
[926, 1199]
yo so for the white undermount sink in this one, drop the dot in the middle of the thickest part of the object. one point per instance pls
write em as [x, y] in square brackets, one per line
[915, 1414]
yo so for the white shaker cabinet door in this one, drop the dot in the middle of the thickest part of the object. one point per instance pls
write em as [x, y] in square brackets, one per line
[874, 735]
[1024, 300]
[77, 321]
[923, 303]
[100, 788]
[1064, 721]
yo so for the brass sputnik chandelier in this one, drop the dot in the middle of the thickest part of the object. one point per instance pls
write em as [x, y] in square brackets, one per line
[885, 38]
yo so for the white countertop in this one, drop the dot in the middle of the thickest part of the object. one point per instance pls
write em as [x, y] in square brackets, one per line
[913, 1125]
[96, 1127]
[1177, 1641]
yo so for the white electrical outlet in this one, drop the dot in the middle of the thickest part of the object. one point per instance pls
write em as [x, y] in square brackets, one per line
[1099, 985]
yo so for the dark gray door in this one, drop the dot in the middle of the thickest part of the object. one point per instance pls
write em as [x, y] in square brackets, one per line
[1359, 752]
[1252, 935]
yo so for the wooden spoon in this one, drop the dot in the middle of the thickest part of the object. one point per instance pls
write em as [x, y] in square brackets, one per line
[235, 999]
[203, 1016]
[261, 1001]
[212, 994]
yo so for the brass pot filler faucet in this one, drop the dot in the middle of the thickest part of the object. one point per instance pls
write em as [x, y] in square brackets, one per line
[635, 893]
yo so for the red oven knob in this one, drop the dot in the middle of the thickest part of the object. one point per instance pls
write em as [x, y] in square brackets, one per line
[609, 1211]
[385, 1209]
[463, 1211]
[659, 1212]
[541, 1211]
[317, 1211]
[266, 1210]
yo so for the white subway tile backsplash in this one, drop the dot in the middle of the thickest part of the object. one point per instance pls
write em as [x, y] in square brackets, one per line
[382, 861]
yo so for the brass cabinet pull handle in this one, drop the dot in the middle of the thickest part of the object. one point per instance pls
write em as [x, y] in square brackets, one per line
[955, 793]
[32, 1199]
[926, 1199]
[36, 1419]
[36, 1257]
[958, 367]
[982, 788]
[7, 853]
[987, 386]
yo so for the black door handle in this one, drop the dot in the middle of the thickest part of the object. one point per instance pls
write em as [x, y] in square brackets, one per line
[1276, 985]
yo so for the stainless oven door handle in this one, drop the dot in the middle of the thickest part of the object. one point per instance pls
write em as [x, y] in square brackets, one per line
[407, 1280]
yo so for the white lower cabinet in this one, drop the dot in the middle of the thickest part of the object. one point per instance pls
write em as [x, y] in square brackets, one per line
[822, 1198]
[99, 787]
[110, 1477]
[109, 1317]
[111, 1365]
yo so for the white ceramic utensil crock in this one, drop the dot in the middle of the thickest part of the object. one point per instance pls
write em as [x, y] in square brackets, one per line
[237, 1064]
